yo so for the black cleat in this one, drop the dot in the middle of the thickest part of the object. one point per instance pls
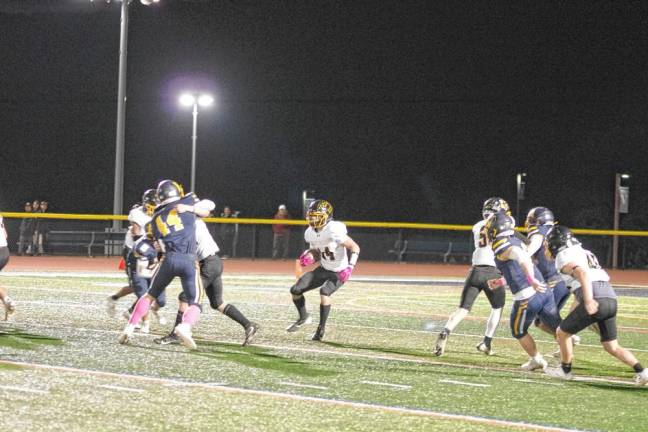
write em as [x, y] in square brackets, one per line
[167, 340]
[439, 347]
[250, 331]
[299, 323]
[319, 334]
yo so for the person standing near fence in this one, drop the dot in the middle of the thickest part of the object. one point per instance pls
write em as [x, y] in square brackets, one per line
[281, 237]
[8, 303]
[41, 229]
[26, 232]
[227, 233]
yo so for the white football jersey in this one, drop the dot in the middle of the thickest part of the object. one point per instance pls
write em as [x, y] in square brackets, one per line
[483, 253]
[129, 241]
[206, 245]
[583, 259]
[3, 234]
[328, 241]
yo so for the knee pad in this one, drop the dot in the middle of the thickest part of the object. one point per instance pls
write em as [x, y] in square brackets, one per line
[295, 291]
[216, 304]
[182, 297]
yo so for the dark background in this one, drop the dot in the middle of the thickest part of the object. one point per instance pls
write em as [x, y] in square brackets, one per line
[392, 110]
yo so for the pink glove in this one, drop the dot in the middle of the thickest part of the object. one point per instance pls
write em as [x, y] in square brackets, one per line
[345, 274]
[306, 259]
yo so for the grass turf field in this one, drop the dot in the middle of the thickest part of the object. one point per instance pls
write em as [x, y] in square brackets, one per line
[61, 367]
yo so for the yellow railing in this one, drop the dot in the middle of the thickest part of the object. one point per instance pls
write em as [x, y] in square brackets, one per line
[360, 224]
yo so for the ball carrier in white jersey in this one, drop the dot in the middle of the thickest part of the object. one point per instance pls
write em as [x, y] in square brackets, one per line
[9, 305]
[211, 270]
[328, 242]
[597, 303]
[483, 276]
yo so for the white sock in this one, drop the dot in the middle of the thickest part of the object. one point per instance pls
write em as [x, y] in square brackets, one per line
[456, 317]
[493, 322]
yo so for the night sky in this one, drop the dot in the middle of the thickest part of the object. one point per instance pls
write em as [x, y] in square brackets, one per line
[392, 110]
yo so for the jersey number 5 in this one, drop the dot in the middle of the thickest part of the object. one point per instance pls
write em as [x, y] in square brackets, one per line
[172, 221]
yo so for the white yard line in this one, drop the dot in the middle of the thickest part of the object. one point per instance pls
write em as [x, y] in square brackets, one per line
[126, 389]
[291, 384]
[23, 389]
[378, 383]
[530, 381]
[449, 381]
[317, 400]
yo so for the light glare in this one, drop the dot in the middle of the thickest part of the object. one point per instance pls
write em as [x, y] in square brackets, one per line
[205, 100]
[187, 99]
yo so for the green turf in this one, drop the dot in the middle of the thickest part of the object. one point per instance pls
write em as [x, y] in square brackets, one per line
[377, 336]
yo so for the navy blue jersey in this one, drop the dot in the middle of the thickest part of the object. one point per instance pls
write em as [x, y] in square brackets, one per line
[511, 269]
[176, 230]
[546, 266]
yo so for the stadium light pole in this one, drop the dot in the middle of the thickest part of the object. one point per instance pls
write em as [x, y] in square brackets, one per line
[118, 195]
[520, 194]
[194, 100]
[618, 178]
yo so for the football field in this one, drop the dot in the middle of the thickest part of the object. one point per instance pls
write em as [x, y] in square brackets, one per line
[61, 367]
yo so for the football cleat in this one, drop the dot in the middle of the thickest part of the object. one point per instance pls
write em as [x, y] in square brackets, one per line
[167, 340]
[319, 334]
[111, 306]
[642, 377]
[439, 347]
[482, 347]
[159, 318]
[183, 331]
[125, 336]
[299, 323]
[534, 364]
[145, 327]
[10, 308]
[558, 372]
[250, 331]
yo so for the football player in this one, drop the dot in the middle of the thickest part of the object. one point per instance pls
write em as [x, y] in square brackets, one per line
[175, 233]
[211, 270]
[597, 303]
[9, 305]
[482, 276]
[138, 217]
[328, 242]
[530, 296]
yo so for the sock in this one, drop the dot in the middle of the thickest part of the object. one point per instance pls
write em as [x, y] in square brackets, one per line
[638, 368]
[566, 367]
[130, 309]
[493, 322]
[538, 358]
[487, 341]
[141, 308]
[236, 315]
[324, 313]
[300, 304]
[191, 315]
[454, 320]
[178, 318]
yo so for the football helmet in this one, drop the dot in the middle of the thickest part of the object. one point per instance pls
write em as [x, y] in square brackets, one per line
[169, 191]
[150, 201]
[319, 213]
[560, 238]
[539, 216]
[499, 225]
[493, 205]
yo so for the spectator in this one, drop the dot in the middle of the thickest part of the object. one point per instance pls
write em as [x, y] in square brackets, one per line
[228, 235]
[281, 238]
[26, 232]
[32, 243]
[41, 229]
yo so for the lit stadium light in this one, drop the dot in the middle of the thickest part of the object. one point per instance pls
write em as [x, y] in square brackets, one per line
[194, 100]
[187, 99]
[205, 100]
